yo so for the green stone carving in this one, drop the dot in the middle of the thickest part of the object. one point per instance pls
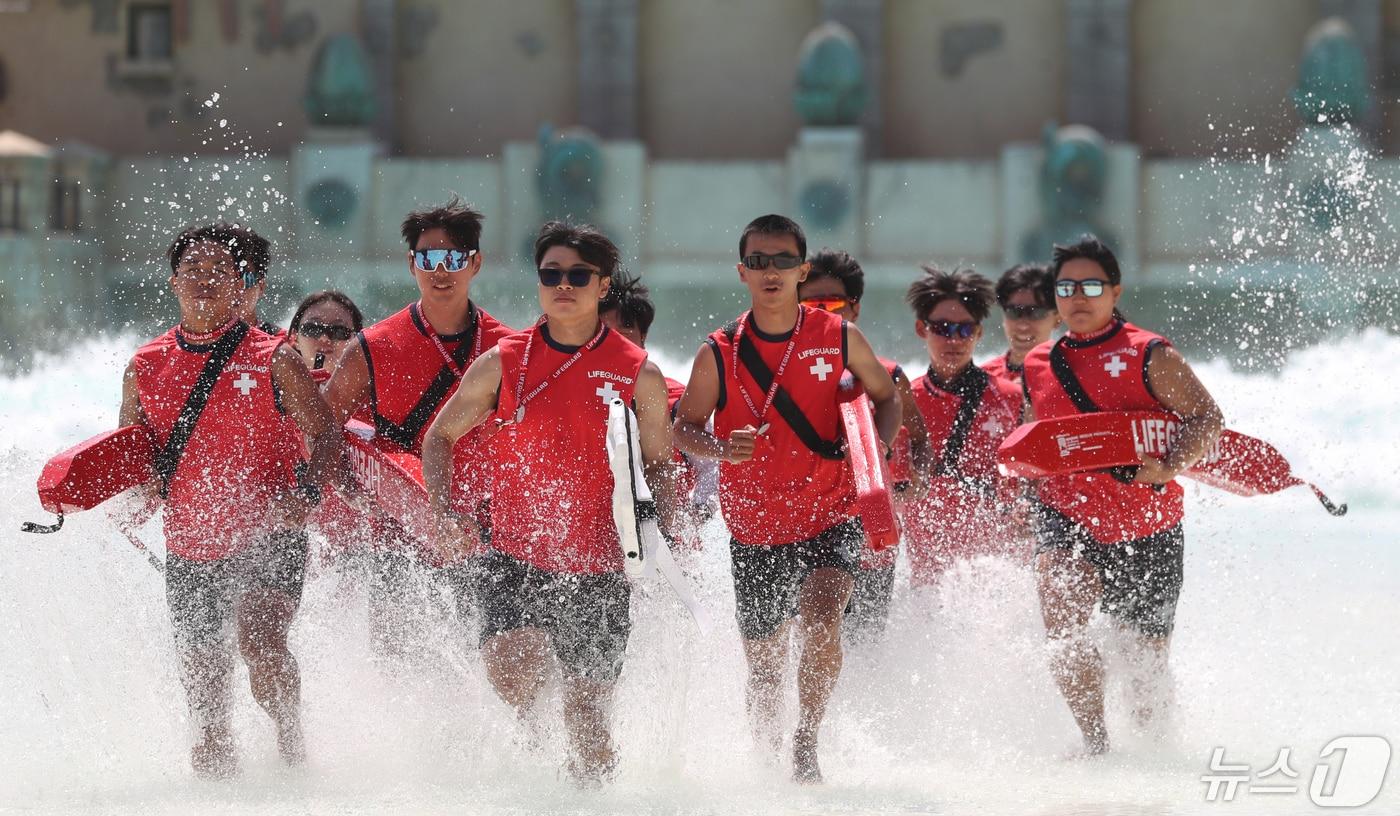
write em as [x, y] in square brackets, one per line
[570, 174]
[1073, 177]
[341, 91]
[1332, 80]
[831, 87]
[331, 202]
[824, 203]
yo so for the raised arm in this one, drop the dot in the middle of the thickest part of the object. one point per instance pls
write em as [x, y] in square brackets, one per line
[474, 401]
[130, 413]
[697, 405]
[348, 388]
[134, 512]
[654, 432]
[1177, 388]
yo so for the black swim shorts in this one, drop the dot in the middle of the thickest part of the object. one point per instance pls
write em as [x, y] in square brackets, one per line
[769, 578]
[202, 595]
[1141, 578]
[587, 616]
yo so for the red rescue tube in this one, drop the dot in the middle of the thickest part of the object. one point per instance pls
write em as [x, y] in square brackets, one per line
[872, 475]
[1237, 463]
[392, 479]
[97, 469]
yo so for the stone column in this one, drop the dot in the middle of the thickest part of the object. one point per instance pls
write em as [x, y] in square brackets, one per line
[1098, 66]
[608, 67]
[866, 19]
[1366, 18]
[380, 36]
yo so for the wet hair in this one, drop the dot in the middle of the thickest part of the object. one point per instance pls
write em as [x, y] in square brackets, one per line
[251, 252]
[357, 320]
[834, 263]
[1089, 248]
[967, 287]
[587, 240]
[461, 222]
[631, 299]
[773, 225]
[1032, 277]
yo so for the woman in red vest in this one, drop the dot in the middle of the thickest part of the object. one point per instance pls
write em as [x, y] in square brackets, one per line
[551, 587]
[216, 394]
[967, 412]
[323, 325]
[1110, 540]
[1026, 295]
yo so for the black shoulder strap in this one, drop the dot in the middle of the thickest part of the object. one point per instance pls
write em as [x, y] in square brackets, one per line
[405, 434]
[787, 409]
[168, 458]
[972, 386]
[1060, 366]
[1081, 399]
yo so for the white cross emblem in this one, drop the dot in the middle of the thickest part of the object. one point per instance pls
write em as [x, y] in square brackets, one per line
[607, 393]
[1115, 366]
[821, 368]
[991, 426]
[245, 383]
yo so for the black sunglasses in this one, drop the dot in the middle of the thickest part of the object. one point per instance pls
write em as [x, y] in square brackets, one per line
[1026, 312]
[578, 276]
[317, 330]
[1091, 288]
[758, 260]
[951, 329]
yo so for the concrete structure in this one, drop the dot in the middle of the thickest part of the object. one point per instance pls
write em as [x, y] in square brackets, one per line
[692, 79]
[696, 133]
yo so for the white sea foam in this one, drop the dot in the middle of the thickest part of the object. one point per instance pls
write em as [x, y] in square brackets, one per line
[1286, 637]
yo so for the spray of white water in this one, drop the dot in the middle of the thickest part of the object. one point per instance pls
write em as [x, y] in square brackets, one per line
[1285, 639]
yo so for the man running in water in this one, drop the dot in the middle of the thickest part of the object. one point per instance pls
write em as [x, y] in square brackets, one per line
[1110, 540]
[1026, 294]
[968, 412]
[214, 393]
[836, 283]
[770, 381]
[404, 369]
[552, 588]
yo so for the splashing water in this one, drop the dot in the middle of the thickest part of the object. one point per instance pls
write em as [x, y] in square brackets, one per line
[1285, 638]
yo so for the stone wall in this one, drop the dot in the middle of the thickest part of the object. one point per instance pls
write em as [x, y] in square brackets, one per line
[707, 80]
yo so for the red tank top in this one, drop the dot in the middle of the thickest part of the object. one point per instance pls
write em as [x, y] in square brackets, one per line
[404, 365]
[1112, 368]
[1002, 369]
[960, 516]
[552, 505]
[238, 457]
[785, 493]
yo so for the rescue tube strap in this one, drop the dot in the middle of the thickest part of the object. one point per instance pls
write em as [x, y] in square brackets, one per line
[970, 386]
[168, 458]
[405, 434]
[783, 402]
[1059, 364]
